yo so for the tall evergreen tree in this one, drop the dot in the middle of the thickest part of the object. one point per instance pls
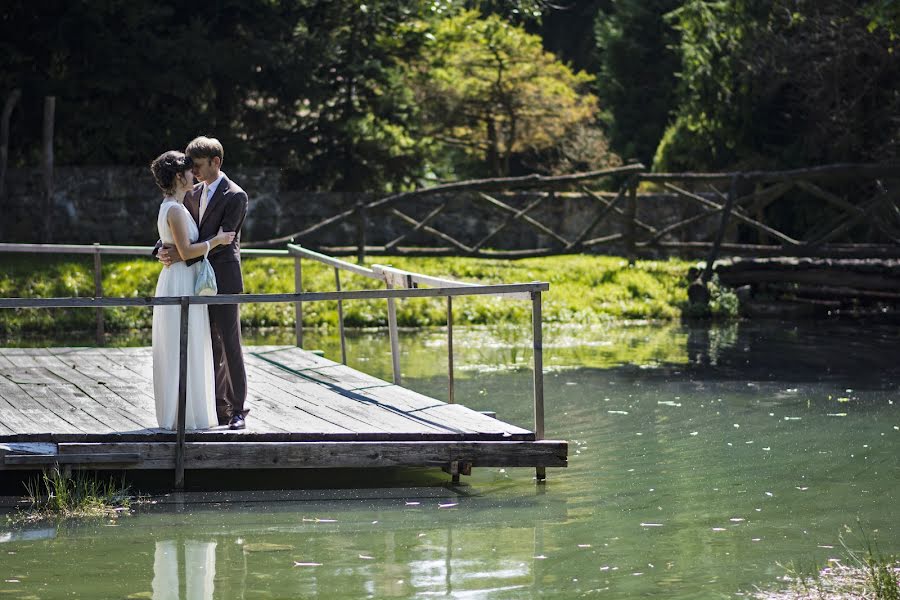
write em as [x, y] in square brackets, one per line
[638, 61]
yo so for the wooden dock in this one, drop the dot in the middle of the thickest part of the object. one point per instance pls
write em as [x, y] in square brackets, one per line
[93, 408]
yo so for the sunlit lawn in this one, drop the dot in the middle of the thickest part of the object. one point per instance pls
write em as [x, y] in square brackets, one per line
[583, 289]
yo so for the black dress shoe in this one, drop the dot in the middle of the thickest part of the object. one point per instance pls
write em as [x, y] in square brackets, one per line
[237, 422]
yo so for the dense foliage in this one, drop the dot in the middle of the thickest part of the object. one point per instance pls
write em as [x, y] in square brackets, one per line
[780, 83]
[378, 96]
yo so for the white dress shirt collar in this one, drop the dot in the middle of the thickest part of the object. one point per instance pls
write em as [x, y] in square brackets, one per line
[215, 184]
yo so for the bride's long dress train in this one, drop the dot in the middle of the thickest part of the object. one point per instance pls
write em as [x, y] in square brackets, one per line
[178, 280]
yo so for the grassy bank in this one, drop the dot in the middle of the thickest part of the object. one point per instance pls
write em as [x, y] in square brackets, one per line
[583, 289]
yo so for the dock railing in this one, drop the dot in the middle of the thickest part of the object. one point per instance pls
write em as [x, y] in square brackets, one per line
[399, 285]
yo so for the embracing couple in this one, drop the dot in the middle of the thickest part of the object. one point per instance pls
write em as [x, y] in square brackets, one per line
[198, 220]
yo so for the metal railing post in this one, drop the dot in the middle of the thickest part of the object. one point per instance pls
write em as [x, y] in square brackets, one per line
[182, 393]
[450, 399]
[395, 340]
[337, 283]
[538, 348]
[98, 290]
[298, 306]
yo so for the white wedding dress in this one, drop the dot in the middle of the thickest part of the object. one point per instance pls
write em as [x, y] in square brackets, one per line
[178, 280]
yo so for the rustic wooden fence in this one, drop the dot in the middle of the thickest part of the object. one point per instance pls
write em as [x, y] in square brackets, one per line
[858, 206]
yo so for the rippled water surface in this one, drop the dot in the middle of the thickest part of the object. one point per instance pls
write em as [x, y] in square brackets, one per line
[701, 462]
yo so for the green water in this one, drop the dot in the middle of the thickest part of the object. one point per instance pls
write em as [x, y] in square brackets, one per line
[701, 462]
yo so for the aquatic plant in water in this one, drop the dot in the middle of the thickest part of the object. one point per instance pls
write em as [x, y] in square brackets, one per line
[57, 494]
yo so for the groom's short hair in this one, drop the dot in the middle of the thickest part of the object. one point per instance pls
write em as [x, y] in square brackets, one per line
[205, 147]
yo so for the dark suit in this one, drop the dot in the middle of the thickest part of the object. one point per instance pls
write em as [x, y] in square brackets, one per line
[226, 209]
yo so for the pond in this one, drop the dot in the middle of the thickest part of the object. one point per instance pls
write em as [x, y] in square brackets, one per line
[703, 462]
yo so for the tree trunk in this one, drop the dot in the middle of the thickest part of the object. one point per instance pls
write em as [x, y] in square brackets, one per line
[4, 149]
[49, 115]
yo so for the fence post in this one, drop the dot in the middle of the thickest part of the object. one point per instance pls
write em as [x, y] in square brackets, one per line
[450, 398]
[720, 234]
[392, 331]
[538, 351]
[98, 290]
[361, 232]
[337, 283]
[298, 306]
[631, 220]
[182, 393]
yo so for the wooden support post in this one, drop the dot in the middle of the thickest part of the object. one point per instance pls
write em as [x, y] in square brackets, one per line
[298, 306]
[450, 399]
[720, 234]
[394, 335]
[361, 223]
[182, 393]
[337, 283]
[631, 221]
[98, 290]
[49, 117]
[538, 349]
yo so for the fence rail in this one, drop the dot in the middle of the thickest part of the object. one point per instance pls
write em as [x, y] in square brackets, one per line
[862, 215]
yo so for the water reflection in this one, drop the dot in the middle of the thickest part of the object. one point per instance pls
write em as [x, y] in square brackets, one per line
[189, 566]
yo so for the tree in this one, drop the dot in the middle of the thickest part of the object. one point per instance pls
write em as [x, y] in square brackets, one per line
[637, 65]
[780, 83]
[353, 125]
[488, 88]
[133, 79]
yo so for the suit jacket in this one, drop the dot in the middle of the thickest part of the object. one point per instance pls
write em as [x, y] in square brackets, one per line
[226, 209]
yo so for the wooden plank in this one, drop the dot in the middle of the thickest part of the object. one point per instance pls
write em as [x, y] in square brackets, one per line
[277, 409]
[295, 359]
[106, 459]
[67, 408]
[261, 455]
[360, 409]
[139, 417]
[346, 378]
[344, 407]
[12, 412]
[41, 417]
[455, 415]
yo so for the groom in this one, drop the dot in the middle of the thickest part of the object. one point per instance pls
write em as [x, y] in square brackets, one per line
[215, 202]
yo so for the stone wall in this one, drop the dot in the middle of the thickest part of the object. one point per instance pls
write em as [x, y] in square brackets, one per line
[118, 205]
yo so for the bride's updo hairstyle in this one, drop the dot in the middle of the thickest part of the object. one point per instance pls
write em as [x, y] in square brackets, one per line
[167, 166]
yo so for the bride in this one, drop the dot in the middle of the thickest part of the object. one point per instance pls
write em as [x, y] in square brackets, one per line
[172, 172]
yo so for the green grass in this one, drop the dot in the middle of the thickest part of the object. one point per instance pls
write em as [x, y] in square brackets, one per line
[57, 495]
[583, 289]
